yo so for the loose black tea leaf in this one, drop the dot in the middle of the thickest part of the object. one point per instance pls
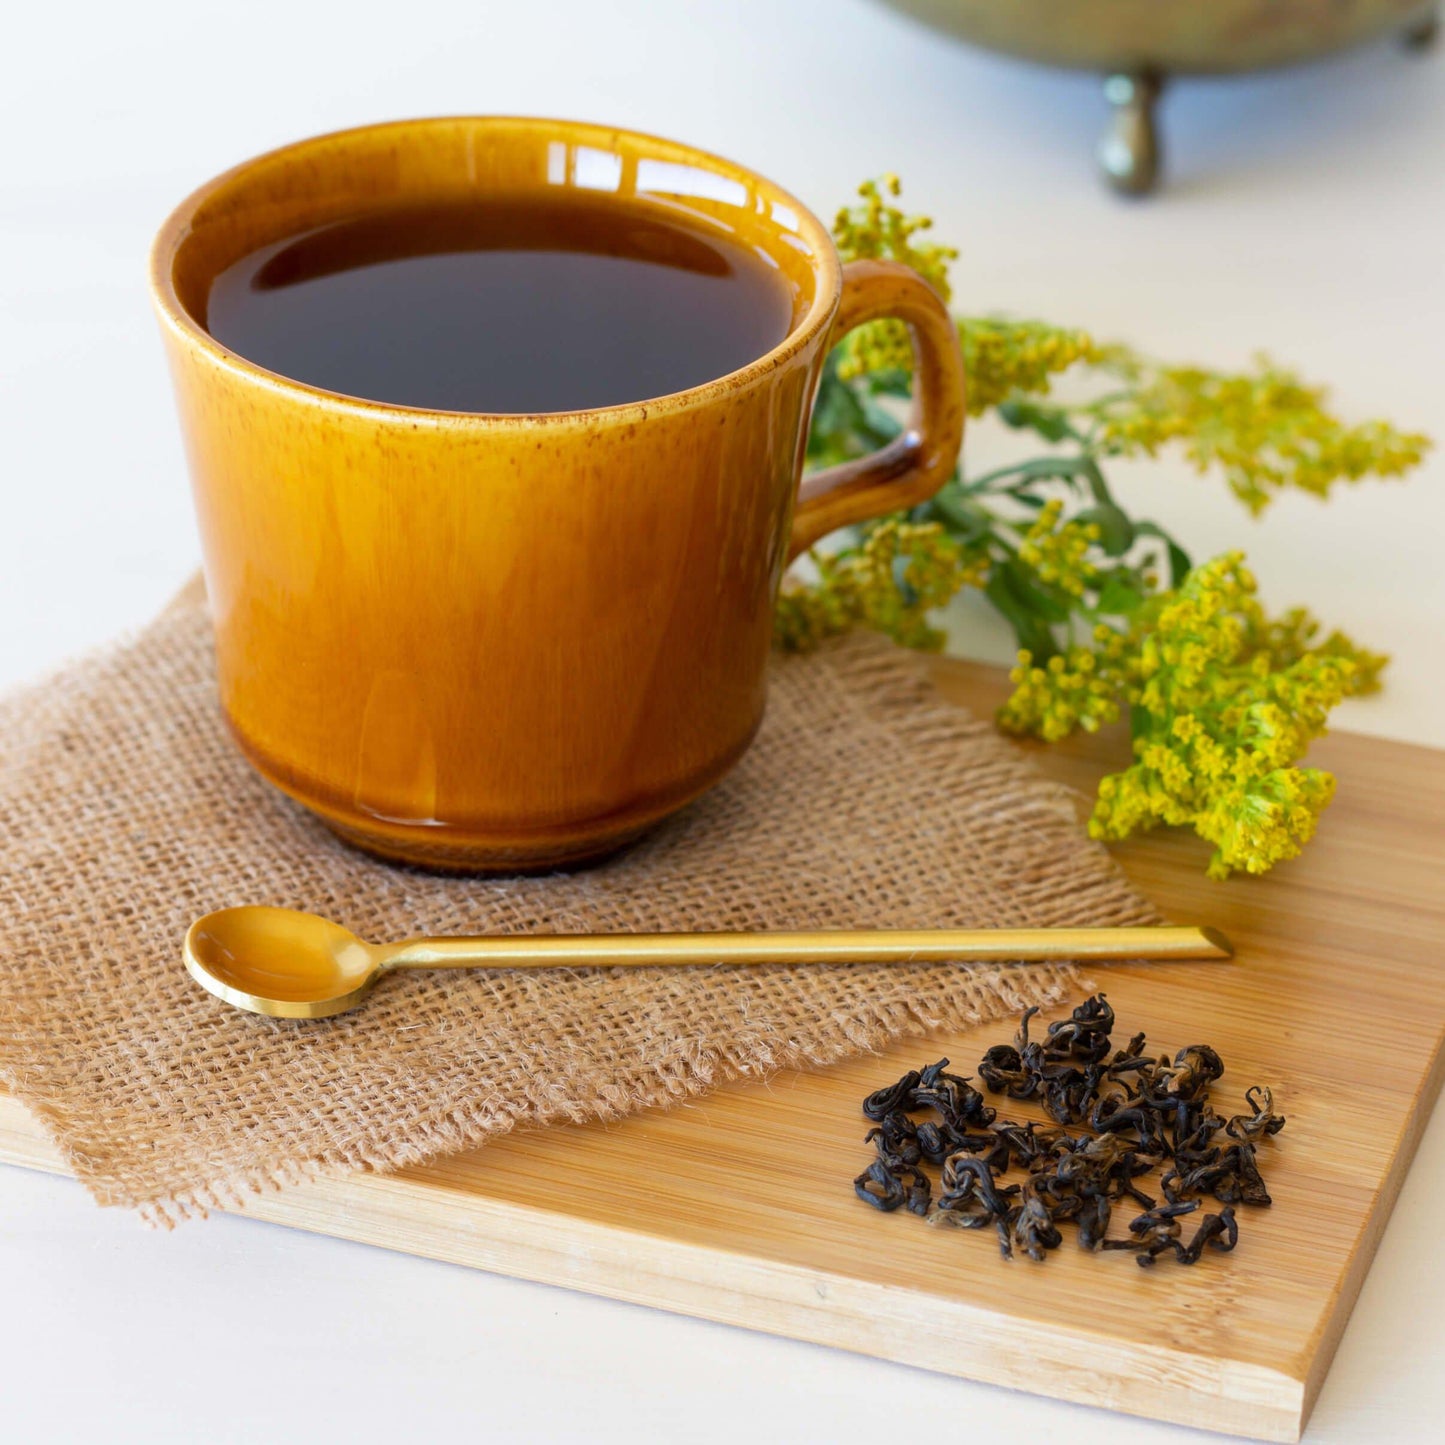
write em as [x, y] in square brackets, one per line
[897, 1141]
[895, 1096]
[1218, 1231]
[879, 1186]
[1032, 1228]
[919, 1194]
[1146, 1113]
[1261, 1123]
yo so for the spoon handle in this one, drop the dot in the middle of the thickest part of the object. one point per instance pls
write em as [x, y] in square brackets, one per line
[921, 945]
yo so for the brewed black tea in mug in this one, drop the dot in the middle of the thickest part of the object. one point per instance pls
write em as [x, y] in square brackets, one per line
[529, 304]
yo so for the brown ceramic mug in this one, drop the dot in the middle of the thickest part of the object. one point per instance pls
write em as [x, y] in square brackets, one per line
[495, 642]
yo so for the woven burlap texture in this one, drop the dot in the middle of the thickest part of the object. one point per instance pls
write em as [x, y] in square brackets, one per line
[125, 812]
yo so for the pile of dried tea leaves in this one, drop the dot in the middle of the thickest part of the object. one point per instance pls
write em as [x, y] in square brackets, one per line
[1144, 1113]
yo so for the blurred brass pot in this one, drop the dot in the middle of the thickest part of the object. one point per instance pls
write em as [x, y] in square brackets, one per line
[1136, 43]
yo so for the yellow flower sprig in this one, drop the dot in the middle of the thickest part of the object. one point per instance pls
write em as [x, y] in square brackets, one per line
[1295, 634]
[899, 574]
[1110, 615]
[1264, 429]
[1058, 550]
[1005, 358]
[876, 230]
[1080, 688]
[1220, 717]
[1220, 728]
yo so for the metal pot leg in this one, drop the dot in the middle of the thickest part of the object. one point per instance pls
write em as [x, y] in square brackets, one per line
[1129, 152]
[1422, 33]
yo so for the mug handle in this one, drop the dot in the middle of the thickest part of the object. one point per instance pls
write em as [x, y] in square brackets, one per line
[915, 464]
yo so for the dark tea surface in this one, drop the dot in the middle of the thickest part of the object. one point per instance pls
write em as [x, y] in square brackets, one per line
[502, 305]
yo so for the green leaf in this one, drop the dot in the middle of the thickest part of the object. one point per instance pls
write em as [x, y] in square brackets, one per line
[963, 518]
[1097, 485]
[1044, 467]
[1116, 531]
[1032, 594]
[1039, 469]
[837, 416]
[882, 425]
[1179, 560]
[1030, 631]
[846, 422]
[1050, 422]
[893, 381]
[1118, 596]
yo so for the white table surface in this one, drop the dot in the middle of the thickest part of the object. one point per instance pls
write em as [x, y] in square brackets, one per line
[1305, 215]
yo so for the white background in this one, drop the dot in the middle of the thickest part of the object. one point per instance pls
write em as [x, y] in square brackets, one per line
[1303, 216]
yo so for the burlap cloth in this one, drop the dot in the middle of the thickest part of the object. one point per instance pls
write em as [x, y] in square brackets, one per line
[866, 800]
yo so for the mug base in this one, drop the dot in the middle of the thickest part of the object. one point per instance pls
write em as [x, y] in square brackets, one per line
[454, 848]
[472, 860]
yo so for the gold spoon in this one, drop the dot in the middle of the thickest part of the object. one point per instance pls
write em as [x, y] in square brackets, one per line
[296, 965]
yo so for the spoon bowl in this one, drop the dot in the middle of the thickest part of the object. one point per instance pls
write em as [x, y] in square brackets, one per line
[281, 962]
[293, 965]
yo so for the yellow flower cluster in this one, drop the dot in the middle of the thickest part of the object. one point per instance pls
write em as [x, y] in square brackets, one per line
[1077, 688]
[900, 573]
[1004, 358]
[1220, 727]
[1287, 638]
[1058, 551]
[878, 230]
[1264, 429]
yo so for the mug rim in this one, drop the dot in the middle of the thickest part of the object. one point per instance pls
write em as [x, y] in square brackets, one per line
[824, 260]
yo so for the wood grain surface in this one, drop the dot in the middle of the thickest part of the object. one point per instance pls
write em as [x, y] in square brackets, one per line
[739, 1207]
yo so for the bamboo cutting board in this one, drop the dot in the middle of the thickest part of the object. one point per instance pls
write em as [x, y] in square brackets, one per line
[740, 1207]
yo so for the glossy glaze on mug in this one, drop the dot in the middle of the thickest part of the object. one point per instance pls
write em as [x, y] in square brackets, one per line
[500, 641]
